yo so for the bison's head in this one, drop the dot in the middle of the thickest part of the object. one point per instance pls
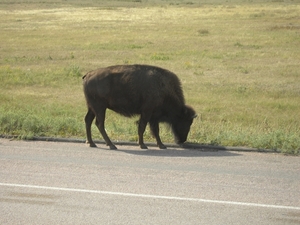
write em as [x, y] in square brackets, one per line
[181, 126]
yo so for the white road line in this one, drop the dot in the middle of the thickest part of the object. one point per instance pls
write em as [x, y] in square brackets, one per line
[150, 196]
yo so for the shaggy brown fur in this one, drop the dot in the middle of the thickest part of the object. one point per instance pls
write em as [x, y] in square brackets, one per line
[151, 92]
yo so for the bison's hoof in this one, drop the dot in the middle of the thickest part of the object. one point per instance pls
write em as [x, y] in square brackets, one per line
[143, 146]
[162, 146]
[92, 144]
[112, 147]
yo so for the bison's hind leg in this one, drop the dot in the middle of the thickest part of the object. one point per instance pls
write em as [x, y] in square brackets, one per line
[100, 118]
[88, 123]
[100, 125]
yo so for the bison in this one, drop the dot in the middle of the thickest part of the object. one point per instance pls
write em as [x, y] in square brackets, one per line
[151, 92]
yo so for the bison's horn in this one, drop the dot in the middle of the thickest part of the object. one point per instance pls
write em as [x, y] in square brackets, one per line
[194, 116]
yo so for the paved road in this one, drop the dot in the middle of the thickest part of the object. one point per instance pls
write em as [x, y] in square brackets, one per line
[67, 183]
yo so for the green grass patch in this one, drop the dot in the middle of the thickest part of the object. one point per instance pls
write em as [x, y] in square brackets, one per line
[238, 62]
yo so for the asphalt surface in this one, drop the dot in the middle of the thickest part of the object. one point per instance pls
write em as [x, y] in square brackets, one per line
[70, 183]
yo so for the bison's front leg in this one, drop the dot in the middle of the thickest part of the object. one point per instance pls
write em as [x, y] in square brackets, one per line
[142, 123]
[155, 132]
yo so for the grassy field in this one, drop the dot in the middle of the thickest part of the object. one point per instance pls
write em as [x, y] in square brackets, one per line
[238, 61]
